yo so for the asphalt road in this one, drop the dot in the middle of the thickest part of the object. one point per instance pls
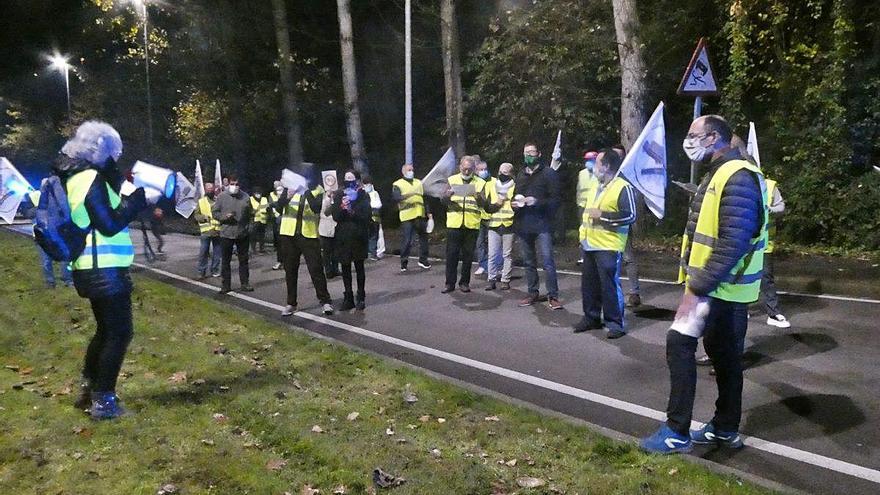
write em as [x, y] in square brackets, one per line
[811, 397]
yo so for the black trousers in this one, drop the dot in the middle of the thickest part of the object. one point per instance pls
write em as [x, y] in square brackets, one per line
[276, 234]
[725, 331]
[600, 288]
[328, 255]
[241, 250]
[460, 247]
[107, 348]
[361, 278]
[410, 229]
[258, 237]
[768, 287]
[292, 247]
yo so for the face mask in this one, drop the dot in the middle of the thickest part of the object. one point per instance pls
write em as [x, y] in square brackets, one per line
[467, 175]
[589, 165]
[232, 189]
[483, 174]
[409, 175]
[351, 184]
[530, 160]
[695, 151]
[279, 190]
[210, 194]
[257, 195]
[504, 177]
[368, 188]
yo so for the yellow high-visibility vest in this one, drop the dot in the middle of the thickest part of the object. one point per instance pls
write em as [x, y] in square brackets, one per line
[744, 282]
[309, 217]
[414, 206]
[587, 186]
[771, 224]
[504, 216]
[598, 235]
[110, 252]
[260, 209]
[209, 226]
[464, 212]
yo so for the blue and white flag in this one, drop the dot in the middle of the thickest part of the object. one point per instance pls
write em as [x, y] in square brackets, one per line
[752, 144]
[13, 188]
[645, 165]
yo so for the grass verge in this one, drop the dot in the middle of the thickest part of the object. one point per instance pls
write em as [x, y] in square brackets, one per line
[226, 402]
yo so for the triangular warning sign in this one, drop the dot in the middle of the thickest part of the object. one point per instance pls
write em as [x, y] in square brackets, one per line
[699, 80]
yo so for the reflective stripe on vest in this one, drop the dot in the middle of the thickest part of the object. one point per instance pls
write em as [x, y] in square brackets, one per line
[504, 216]
[771, 224]
[309, 218]
[598, 235]
[587, 186]
[743, 283]
[209, 226]
[260, 207]
[414, 206]
[110, 252]
[464, 212]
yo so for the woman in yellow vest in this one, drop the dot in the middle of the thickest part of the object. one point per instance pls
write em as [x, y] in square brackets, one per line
[87, 167]
[500, 191]
[603, 234]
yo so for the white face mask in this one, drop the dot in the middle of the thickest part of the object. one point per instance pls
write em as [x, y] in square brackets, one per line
[368, 188]
[694, 150]
[233, 189]
[279, 190]
[409, 174]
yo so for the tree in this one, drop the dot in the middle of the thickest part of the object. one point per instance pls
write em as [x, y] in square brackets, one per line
[452, 77]
[349, 85]
[633, 75]
[288, 87]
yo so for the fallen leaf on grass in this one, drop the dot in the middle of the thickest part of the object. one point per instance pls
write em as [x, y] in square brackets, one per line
[26, 371]
[77, 455]
[308, 490]
[353, 416]
[389, 431]
[12, 367]
[167, 489]
[340, 490]
[199, 382]
[65, 391]
[219, 350]
[673, 471]
[529, 482]
[436, 453]
[317, 429]
[441, 420]
[219, 417]
[401, 440]
[511, 463]
[82, 431]
[425, 418]
[179, 377]
[276, 464]
[207, 442]
[149, 375]
[386, 480]
[491, 418]
[409, 396]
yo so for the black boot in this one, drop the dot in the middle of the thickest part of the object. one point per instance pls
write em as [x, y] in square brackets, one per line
[361, 304]
[347, 302]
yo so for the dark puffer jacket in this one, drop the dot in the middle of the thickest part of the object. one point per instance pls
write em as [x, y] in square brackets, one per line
[740, 219]
[109, 221]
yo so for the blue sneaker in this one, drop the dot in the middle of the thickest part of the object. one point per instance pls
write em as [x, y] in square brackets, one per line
[105, 405]
[666, 441]
[709, 435]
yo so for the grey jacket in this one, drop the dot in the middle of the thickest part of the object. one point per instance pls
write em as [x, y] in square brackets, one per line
[234, 214]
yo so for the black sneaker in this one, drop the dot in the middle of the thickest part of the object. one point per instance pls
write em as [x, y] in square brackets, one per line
[614, 334]
[246, 288]
[586, 325]
[704, 361]
[447, 289]
[491, 285]
[425, 265]
[464, 287]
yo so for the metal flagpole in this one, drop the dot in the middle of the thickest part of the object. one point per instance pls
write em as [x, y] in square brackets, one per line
[408, 98]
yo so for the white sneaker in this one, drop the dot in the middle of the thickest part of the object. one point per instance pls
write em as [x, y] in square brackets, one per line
[479, 271]
[328, 309]
[778, 321]
[288, 310]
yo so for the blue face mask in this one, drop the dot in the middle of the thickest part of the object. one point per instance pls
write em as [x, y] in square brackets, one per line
[590, 165]
[483, 174]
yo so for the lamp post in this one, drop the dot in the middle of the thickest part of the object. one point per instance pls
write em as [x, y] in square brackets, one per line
[140, 6]
[60, 64]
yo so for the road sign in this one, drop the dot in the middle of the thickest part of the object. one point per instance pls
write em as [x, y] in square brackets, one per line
[699, 79]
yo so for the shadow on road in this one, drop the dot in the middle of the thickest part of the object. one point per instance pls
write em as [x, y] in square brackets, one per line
[766, 349]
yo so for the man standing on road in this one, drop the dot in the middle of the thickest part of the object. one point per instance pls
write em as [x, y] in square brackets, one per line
[409, 194]
[603, 234]
[209, 234]
[233, 210]
[260, 207]
[482, 249]
[722, 260]
[465, 200]
[535, 204]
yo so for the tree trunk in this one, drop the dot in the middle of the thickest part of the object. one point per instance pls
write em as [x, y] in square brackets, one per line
[633, 90]
[349, 85]
[288, 87]
[452, 77]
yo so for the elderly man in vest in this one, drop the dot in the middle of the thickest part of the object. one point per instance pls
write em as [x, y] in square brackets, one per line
[409, 194]
[87, 167]
[721, 264]
[603, 234]
[465, 200]
[209, 234]
[298, 236]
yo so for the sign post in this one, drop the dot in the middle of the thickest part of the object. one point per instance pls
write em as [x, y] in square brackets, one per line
[698, 81]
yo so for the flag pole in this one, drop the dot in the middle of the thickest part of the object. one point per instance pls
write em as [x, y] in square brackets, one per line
[408, 137]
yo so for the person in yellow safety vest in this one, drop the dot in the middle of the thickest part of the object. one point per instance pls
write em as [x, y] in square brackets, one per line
[465, 200]
[46, 261]
[260, 206]
[209, 234]
[375, 218]
[587, 184]
[298, 235]
[603, 234]
[409, 193]
[87, 168]
[775, 206]
[500, 191]
[721, 264]
[275, 221]
[481, 253]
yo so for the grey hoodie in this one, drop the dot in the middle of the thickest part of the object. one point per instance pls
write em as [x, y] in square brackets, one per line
[239, 207]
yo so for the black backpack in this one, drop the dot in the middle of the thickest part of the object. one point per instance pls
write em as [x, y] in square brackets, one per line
[54, 229]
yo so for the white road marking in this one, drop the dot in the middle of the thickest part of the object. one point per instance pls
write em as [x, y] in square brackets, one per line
[754, 442]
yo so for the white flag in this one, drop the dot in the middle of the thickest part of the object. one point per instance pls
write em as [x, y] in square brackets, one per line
[13, 188]
[752, 145]
[218, 178]
[557, 152]
[435, 183]
[645, 165]
[200, 182]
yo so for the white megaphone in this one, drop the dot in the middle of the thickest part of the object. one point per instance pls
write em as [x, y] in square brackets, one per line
[156, 181]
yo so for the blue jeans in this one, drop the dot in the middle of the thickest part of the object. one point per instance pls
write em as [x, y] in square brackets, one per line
[49, 270]
[373, 240]
[601, 292]
[544, 243]
[481, 254]
[410, 229]
[206, 245]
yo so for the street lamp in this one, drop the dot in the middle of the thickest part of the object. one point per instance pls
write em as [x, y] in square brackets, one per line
[60, 63]
[140, 6]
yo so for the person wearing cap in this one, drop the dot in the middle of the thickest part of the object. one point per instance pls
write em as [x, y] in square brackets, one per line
[500, 191]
